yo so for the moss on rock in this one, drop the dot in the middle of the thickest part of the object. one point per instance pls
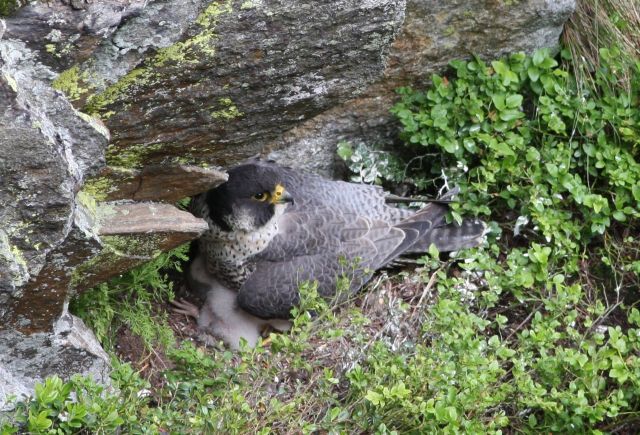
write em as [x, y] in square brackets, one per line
[181, 54]
[72, 82]
[227, 111]
[132, 157]
[98, 188]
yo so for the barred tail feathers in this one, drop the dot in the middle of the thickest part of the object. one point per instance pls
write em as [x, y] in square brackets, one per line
[452, 237]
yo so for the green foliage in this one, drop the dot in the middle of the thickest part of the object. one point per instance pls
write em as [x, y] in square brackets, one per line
[67, 407]
[565, 160]
[481, 369]
[7, 7]
[129, 300]
[555, 167]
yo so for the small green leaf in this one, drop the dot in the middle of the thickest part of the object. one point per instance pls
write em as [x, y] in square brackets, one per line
[552, 169]
[40, 422]
[548, 63]
[538, 57]
[499, 67]
[619, 216]
[375, 398]
[449, 145]
[433, 251]
[502, 149]
[499, 101]
[533, 73]
[634, 316]
[589, 149]
[525, 279]
[514, 101]
[345, 150]
[511, 115]
[556, 124]
[533, 155]
[625, 131]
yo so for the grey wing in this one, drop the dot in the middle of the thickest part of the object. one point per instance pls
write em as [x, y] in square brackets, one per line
[320, 246]
[310, 190]
[272, 290]
[340, 233]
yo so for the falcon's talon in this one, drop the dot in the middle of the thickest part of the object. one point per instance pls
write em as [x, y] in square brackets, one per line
[185, 307]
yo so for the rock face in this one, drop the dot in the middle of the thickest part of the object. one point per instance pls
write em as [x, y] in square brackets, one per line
[433, 34]
[68, 349]
[240, 75]
[47, 150]
[130, 101]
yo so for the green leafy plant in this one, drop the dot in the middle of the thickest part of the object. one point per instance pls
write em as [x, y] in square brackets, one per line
[563, 146]
[554, 166]
[82, 404]
[129, 300]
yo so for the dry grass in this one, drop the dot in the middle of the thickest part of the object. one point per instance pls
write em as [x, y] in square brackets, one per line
[602, 23]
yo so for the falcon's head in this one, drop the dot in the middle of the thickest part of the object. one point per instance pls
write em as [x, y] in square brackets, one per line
[252, 197]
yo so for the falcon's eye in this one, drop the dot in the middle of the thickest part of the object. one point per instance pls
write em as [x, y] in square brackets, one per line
[261, 196]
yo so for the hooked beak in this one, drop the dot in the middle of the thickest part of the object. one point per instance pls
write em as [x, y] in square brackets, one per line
[285, 198]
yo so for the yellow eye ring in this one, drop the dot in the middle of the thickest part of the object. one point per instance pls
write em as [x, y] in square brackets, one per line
[263, 196]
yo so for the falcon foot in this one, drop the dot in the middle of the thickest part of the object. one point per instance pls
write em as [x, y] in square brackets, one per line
[187, 308]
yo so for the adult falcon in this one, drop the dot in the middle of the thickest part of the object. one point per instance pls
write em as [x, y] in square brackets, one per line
[272, 228]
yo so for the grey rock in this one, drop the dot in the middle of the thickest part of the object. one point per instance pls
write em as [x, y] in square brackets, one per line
[433, 34]
[11, 388]
[63, 33]
[241, 74]
[103, 242]
[47, 149]
[133, 234]
[158, 25]
[69, 349]
[39, 303]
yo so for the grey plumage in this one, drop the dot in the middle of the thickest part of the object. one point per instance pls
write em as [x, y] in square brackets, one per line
[264, 249]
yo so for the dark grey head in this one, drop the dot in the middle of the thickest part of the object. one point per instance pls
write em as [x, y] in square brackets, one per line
[249, 199]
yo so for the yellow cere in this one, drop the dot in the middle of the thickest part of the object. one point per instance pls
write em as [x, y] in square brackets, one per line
[277, 193]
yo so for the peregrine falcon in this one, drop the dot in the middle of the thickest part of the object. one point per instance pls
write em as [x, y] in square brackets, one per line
[272, 228]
